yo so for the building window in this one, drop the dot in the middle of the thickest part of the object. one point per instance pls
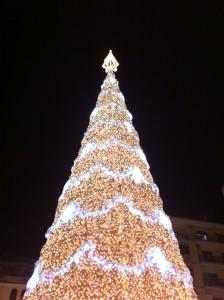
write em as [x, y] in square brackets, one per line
[22, 294]
[202, 235]
[210, 278]
[207, 255]
[13, 294]
[220, 238]
[184, 250]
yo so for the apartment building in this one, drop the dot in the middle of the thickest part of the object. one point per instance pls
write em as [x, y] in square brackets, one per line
[202, 247]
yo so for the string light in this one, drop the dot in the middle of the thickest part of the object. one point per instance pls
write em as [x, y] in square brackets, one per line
[110, 238]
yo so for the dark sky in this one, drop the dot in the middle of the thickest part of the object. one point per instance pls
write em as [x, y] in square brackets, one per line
[170, 74]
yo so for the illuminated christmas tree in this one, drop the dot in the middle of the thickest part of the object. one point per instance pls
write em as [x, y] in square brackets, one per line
[110, 238]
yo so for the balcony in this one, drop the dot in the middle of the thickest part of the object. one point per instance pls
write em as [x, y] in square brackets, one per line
[211, 259]
[203, 236]
[214, 282]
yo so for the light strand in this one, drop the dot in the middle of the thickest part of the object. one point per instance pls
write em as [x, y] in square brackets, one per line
[73, 211]
[90, 147]
[127, 125]
[134, 173]
[110, 105]
[154, 258]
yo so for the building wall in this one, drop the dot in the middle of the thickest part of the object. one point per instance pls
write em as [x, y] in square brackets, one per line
[6, 289]
[202, 247]
[13, 278]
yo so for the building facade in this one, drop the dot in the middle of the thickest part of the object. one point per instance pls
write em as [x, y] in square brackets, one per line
[13, 278]
[202, 247]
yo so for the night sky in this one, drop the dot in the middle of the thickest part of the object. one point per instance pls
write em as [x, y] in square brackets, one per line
[170, 74]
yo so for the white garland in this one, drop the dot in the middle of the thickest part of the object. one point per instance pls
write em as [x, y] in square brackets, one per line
[90, 147]
[130, 128]
[154, 258]
[134, 173]
[113, 105]
[111, 91]
[73, 211]
[110, 78]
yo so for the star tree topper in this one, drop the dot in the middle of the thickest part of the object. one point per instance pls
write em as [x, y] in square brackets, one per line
[110, 63]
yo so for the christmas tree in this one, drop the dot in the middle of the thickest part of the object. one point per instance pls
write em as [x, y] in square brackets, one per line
[110, 238]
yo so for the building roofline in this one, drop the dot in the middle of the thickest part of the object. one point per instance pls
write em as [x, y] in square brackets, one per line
[199, 222]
